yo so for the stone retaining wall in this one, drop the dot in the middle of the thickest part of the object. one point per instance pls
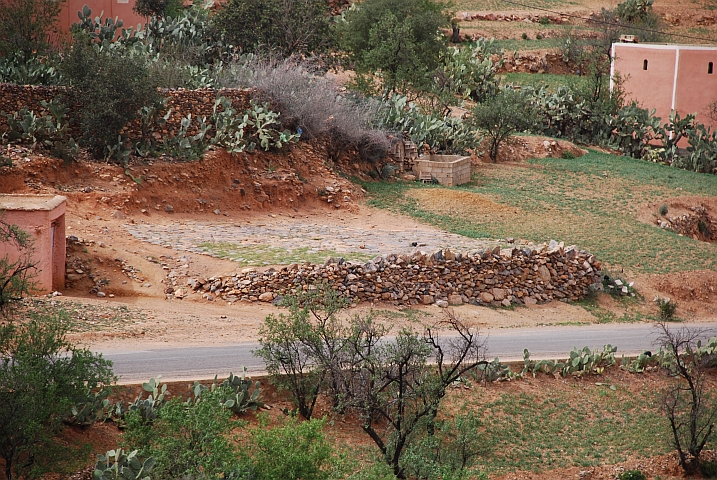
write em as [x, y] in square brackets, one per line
[496, 278]
[197, 102]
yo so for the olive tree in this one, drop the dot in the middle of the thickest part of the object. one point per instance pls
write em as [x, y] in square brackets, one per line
[399, 41]
[26, 25]
[502, 116]
[42, 374]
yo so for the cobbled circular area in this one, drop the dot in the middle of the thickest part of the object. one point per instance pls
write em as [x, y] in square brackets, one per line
[370, 240]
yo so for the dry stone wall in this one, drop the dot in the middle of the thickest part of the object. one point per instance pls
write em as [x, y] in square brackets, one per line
[492, 277]
[182, 102]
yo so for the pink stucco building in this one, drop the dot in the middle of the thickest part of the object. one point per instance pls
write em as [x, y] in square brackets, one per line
[668, 77]
[43, 217]
[121, 9]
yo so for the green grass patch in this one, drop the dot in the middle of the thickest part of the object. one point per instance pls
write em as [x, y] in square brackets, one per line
[591, 201]
[583, 425]
[258, 255]
[547, 80]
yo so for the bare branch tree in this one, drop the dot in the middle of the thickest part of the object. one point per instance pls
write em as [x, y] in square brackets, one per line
[690, 407]
[396, 386]
[16, 276]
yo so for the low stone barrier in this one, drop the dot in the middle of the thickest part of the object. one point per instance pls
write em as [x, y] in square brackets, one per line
[492, 277]
[182, 102]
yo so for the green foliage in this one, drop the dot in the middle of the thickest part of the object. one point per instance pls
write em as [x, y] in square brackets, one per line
[34, 70]
[578, 363]
[495, 371]
[92, 405]
[25, 25]
[312, 102]
[667, 309]
[148, 408]
[442, 134]
[292, 451]
[293, 27]
[185, 146]
[394, 45]
[448, 452]
[158, 8]
[234, 393]
[503, 115]
[110, 88]
[663, 209]
[470, 72]
[634, 11]
[296, 348]
[16, 277]
[119, 465]
[632, 475]
[644, 362]
[709, 469]
[42, 374]
[48, 130]
[192, 438]
[618, 287]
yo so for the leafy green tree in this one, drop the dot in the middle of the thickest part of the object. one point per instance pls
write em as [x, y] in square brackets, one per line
[41, 376]
[16, 277]
[159, 8]
[297, 348]
[397, 40]
[283, 27]
[501, 116]
[25, 26]
[292, 451]
[192, 439]
[111, 88]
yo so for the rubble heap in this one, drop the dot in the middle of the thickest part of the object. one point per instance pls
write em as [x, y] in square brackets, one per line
[492, 277]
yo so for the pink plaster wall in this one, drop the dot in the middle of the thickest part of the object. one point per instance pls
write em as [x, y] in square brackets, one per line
[112, 8]
[49, 254]
[652, 88]
[694, 90]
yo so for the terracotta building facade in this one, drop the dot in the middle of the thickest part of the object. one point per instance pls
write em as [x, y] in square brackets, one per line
[43, 217]
[682, 78]
[122, 9]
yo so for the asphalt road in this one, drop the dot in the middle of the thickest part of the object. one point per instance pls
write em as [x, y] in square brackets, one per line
[133, 366]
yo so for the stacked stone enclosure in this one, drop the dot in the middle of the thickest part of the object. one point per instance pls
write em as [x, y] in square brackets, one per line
[448, 170]
[496, 277]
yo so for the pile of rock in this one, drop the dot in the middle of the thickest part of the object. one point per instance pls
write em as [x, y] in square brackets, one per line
[512, 17]
[697, 224]
[492, 277]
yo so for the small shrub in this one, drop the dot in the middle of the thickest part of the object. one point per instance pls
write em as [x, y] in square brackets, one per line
[567, 155]
[632, 475]
[709, 469]
[111, 88]
[538, 36]
[618, 287]
[312, 103]
[544, 21]
[667, 309]
[502, 116]
[663, 209]
[292, 451]
[524, 36]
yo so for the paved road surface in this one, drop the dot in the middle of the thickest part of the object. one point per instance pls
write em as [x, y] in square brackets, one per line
[507, 344]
